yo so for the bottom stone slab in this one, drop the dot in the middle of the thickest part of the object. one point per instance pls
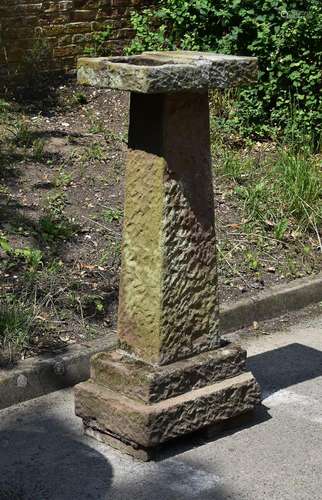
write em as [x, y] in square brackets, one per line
[138, 452]
[142, 426]
[163, 450]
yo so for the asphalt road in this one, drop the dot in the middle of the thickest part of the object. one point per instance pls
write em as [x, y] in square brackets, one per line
[44, 456]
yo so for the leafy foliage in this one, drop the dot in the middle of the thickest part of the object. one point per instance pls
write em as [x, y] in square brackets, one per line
[98, 46]
[112, 215]
[55, 225]
[285, 35]
[31, 256]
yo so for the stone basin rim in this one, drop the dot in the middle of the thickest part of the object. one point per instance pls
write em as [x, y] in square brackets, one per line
[139, 63]
[179, 59]
[195, 55]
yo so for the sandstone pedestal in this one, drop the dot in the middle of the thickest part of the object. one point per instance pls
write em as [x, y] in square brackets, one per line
[172, 374]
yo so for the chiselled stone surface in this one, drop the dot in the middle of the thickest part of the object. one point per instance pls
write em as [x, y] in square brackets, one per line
[224, 70]
[157, 72]
[168, 307]
[149, 425]
[189, 313]
[141, 274]
[125, 375]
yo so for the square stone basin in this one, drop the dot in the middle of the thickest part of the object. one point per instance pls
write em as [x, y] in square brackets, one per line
[168, 72]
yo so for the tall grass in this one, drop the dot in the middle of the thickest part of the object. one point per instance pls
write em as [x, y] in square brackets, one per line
[298, 180]
[281, 190]
[16, 327]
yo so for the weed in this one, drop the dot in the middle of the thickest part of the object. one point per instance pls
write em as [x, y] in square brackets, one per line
[72, 299]
[96, 127]
[80, 98]
[38, 149]
[54, 225]
[256, 200]
[4, 191]
[17, 321]
[33, 71]
[99, 306]
[55, 204]
[98, 45]
[4, 106]
[92, 305]
[5, 245]
[112, 215]
[94, 152]
[234, 166]
[290, 267]
[280, 229]
[31, 256]
[111, 254]
[37, 55]
[110, 136]
[252, 261]
[55, 266]
[62, 179]
[52, 229]
[22, 133]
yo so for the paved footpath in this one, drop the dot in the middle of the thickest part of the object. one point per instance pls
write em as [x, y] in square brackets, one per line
[43, 454]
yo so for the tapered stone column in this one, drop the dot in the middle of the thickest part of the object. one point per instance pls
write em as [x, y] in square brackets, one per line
[171, 374]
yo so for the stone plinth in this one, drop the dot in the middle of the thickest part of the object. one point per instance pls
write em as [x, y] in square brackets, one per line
[168, 294]
[172, 374]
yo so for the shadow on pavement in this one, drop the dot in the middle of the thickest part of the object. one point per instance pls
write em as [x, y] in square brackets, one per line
[41, 460]
[174, 479]
[286, 366]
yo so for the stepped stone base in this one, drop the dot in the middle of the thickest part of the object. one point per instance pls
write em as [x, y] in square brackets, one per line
[127, 404]
[157, 452]
[124, 374]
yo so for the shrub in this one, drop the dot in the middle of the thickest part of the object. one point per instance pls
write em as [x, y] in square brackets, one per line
[285, 35]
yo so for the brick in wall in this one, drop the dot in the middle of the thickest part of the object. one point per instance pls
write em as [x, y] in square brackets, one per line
[59, 30]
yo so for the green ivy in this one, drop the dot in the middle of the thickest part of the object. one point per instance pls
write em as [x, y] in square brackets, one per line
[98, 45]
[286, 37]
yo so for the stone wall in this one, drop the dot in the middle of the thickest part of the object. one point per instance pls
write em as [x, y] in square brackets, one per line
[52, 33]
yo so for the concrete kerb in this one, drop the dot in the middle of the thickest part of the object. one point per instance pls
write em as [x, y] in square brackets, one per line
[271, 303]
[38, 376]
[35, 377]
